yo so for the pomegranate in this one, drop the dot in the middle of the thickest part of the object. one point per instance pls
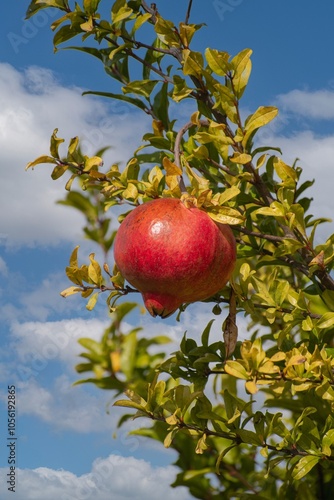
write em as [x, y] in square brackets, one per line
[173, 252]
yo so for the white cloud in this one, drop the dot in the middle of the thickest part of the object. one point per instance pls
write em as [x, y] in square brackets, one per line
[61, 404]
[3, 267]
[318, 104]
[35, 343]
[116, 477]
[33, 103]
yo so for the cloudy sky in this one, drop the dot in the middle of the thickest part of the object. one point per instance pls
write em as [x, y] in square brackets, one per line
[66, 447]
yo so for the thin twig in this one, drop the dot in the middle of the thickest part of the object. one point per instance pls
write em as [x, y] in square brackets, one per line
[177, 148]
[188, 12]
[269, 237]
[178, 139]
[130, 52]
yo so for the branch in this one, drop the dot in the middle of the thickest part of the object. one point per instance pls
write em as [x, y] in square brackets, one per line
[151, 10]
[269, 237]
[234, 437]
[142, 61]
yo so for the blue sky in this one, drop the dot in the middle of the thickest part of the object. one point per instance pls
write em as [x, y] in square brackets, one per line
[66, 441]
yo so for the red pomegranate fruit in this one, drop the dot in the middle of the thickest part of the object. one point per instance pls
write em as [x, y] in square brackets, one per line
[173, 253]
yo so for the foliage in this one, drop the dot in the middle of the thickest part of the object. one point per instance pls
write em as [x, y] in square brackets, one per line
[247, 419]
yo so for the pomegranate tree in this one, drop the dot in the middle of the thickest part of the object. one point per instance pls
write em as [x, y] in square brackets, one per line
[173, 253]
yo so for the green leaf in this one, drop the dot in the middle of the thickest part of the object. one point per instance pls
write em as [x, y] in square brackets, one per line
[35, 6]
[304, 465]
[326, 320]
[140, 87]
[58, 171]
[157, 396]
[191, 474]
[90, 6]
[82, 203]
[128, 354]
[132, 100]
[161, 105]
[126, 403]
[327, 442]
[222, 455]
[206, 333]
[66, 33]
[249, 437]
[91, 345]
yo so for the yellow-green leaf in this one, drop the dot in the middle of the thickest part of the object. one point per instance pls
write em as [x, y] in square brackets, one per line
[228, 194]
[94, 161]
[304, 465]
[241, 158]
[140, 87]
[217, 61]
[125, 403]
[225, 215]
[284, 171]
[262, 116]
[326, 320]
[120, 11]
[141, 19]
[166, 32]
[94, 271]
[193, 63]
[131, 192]
[70, 291]
[92, 301]
[187, 32]
[170, 167]
[261, 160]
[55, 143]
[242, 66]
[236, 369]
[276, 209]
[39, 160]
